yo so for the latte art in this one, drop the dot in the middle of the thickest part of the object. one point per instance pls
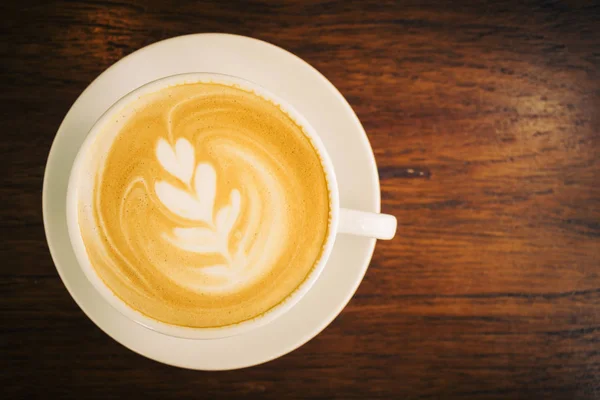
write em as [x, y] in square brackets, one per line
[210, 208]
[213, 234]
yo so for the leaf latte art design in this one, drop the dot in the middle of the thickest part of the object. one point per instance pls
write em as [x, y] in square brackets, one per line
[209, 206]
[197, 203]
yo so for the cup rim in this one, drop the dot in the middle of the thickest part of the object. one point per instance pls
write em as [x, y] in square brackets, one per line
[176, 330]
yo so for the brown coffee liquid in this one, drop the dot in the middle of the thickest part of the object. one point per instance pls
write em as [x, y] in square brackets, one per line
[211, 207]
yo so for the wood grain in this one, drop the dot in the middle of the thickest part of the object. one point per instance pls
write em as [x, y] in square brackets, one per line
[485, 125]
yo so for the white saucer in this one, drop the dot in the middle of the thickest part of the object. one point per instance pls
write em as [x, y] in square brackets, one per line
[313, 96]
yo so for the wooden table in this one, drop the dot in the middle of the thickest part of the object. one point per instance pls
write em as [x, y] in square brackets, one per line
[485, 122]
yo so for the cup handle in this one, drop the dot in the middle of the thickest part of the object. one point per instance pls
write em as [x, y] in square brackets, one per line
[361, 223]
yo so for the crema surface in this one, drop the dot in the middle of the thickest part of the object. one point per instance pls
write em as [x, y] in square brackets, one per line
[210, 208]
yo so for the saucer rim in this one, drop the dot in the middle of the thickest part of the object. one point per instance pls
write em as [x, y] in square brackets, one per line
[55, 252]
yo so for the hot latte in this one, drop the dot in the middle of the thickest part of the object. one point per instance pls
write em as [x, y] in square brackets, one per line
[210, 205]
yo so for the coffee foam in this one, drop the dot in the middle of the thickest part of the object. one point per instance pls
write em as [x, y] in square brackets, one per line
[210, 208]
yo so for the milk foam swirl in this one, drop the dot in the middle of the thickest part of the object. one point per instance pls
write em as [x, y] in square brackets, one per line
[211, 207]
[212, 230]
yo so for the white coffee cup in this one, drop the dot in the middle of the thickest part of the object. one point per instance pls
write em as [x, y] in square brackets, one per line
[95, 148]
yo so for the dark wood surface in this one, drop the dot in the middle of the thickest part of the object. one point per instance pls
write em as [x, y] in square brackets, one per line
[485, 122]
